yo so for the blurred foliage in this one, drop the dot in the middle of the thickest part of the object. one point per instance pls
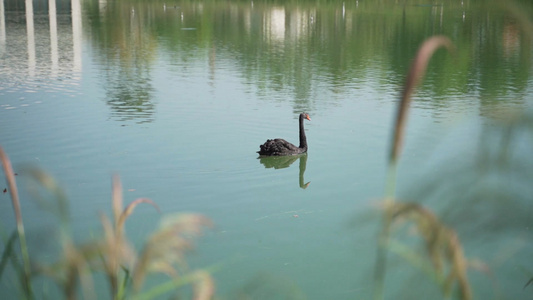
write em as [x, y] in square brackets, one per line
[111, 254]
[483, 181]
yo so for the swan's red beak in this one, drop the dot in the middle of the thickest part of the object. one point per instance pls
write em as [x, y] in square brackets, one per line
[308, 118]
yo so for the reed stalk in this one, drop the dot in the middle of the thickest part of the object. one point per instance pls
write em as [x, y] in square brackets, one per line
[416, 73]
[8, 252]
[13, 192]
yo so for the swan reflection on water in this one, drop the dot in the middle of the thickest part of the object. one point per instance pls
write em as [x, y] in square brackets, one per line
[281, 162]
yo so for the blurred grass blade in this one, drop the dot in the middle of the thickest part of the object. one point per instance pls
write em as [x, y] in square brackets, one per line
[204, 286]
[12, 187]
[121, 293]
[416, 72]
[8, 252]
[60, 205]
[528, 283]
[13, 192]
[129, 210]
[116, 198]
[165, 249]
[78, 272]
[442, 247]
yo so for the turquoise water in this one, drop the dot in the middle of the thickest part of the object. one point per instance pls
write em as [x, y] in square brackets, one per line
[177, 101]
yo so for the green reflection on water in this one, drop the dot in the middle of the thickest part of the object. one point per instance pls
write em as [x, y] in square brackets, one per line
[294, 47]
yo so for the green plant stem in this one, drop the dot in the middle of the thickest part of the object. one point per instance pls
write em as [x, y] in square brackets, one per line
[8, 252]
[121, 292]
[380, 268]
[390, 185]
[416, 72]
[10, 176]
[25, 259]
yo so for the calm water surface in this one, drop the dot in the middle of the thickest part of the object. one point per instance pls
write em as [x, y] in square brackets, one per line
[177, 97]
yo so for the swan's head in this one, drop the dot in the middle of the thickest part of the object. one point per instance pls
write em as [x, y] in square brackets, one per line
[305, 116]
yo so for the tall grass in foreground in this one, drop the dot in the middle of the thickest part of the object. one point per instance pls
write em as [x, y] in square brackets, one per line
[443, 259]
[25, 276]
[447, 264]
[111, 254]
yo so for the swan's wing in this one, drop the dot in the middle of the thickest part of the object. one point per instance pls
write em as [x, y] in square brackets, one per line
[286, 146]
[277, 147]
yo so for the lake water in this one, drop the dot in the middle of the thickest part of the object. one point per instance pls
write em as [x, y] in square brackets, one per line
[176, 98]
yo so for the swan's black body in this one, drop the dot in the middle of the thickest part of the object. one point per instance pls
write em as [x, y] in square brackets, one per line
[280, 147]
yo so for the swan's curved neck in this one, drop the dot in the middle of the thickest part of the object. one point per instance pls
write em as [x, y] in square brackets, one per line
[303, 139]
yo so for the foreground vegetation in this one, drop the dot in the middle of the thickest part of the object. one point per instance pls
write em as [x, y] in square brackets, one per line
[112, 254]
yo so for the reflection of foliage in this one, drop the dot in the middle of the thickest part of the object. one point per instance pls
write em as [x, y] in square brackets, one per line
[124, 35]
[296, 46]
[497, 177]
[129, 94]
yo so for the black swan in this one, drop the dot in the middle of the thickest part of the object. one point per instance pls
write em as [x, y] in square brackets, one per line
[280, 147]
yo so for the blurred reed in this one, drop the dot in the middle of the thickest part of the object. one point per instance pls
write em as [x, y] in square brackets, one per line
[441, 243]
[13, 192]
[443, 249]
[111, 254]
